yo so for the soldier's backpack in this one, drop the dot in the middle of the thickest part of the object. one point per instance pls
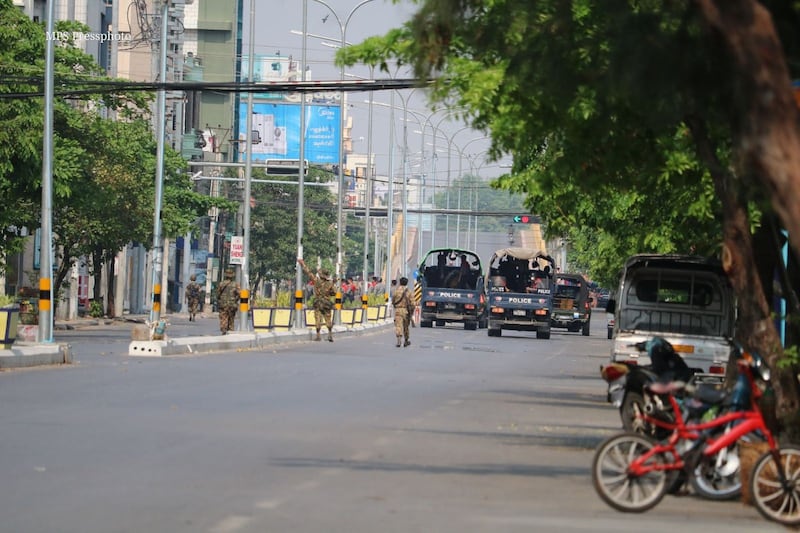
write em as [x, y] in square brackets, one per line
[193, 291]
[228, 294]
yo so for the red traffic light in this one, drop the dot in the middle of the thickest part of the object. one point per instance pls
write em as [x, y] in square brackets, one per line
[522, 219]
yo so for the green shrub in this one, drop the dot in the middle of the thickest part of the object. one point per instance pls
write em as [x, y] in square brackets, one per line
[282, 299]
[7, 301]
[96, 309]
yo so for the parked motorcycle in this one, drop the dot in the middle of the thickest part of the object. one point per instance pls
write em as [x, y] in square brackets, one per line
[626, 382]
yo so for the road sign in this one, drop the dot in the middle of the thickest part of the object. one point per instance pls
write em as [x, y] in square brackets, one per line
[523, 219]
[237, 250]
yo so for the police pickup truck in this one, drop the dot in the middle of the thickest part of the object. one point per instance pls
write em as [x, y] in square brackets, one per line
[519, 292]
[451, 289]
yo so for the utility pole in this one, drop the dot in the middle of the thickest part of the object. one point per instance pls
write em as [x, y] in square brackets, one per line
[45, 331]
[161, 112]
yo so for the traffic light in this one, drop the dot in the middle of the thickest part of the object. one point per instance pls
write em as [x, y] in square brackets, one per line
[523, 219]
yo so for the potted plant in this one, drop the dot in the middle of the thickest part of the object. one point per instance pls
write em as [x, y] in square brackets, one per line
[9, 320]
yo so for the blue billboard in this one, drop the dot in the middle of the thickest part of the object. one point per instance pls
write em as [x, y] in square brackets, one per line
[276, 132]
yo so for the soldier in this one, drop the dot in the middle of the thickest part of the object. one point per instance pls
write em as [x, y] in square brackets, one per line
[193, 296]
[323, 305]
[403, 303]
[227, 301]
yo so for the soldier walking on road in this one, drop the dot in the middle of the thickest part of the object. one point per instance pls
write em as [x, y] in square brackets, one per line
[193, 297]
[323, 305]
[403, 304]
[227, 302]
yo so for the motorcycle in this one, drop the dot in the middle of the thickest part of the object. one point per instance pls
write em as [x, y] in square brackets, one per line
[626, 383]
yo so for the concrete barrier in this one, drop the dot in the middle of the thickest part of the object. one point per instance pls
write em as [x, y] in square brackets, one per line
[22, 355]
[240, 341]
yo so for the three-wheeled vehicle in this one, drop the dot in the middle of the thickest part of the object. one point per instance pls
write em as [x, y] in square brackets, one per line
[451, 282]
[519, 291]
[572, 305]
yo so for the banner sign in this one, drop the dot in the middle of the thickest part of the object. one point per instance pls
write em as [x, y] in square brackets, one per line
[276, 132]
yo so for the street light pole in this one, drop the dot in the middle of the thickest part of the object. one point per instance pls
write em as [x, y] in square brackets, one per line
[461, 176]
[298, 318]
[339, 210]
[390, 201]
[161, 105]
[244, 316]
[367, 200]
[45, 331]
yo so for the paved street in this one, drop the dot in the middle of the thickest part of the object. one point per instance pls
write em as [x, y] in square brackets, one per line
[457, 433]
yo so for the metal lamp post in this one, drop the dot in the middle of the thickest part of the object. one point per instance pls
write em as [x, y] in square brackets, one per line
[158, 250]
[244, 316]
[460, 175]
[339, 211]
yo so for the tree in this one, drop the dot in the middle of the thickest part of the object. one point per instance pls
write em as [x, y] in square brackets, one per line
[641, 102]
[471, 190]
[103, 187]
[273, 235]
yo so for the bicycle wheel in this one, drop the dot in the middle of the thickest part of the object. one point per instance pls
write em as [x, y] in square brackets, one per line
[619, 489]
[717, 478]
[772, 499]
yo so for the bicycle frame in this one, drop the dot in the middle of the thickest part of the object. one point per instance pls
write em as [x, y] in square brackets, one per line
[700, 433]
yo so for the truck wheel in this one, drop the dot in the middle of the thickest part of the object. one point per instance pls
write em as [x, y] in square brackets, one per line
[542, 334]
[585, 330]
[494, 332]
[439, 323]
[471, 325]
[425, 324]
[610, 333]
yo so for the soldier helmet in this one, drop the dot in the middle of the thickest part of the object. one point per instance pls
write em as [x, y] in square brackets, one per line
[192, 277]
[229, 273]
[324, 273]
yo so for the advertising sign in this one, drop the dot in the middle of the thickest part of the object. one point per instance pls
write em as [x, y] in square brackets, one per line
[237, 250]
[276, 132]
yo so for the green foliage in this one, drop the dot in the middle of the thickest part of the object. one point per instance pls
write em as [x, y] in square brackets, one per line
[273, 234]
[590, 99]
[103, 172]
[96, 309]
[470, 191]
[791, 357]
[7, 300]
[282, 299]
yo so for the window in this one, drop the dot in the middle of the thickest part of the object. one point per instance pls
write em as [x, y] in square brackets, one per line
[689, 292]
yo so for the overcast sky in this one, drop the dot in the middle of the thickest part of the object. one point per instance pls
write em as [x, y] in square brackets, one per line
[275, 21]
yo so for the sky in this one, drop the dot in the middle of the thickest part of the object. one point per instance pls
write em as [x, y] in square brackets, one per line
[275, 22]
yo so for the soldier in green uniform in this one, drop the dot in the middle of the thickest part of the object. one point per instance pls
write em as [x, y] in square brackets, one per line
[227, 301]
[193, 297]
[324, 290]
[403, 303]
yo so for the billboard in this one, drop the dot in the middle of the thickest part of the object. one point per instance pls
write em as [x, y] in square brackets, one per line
[276, 132]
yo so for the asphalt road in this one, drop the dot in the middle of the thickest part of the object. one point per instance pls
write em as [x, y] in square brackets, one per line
[457, 433]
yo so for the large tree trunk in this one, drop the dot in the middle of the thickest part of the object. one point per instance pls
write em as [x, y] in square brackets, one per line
[767, 145]
[755, 328]
[110, 285]
[768, 141]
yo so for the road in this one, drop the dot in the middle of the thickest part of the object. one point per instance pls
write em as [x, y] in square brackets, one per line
[457, 433]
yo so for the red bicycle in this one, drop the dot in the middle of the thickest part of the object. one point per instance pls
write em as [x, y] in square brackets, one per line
[632, 472]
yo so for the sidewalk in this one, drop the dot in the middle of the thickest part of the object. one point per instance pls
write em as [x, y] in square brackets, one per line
[26, 352]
